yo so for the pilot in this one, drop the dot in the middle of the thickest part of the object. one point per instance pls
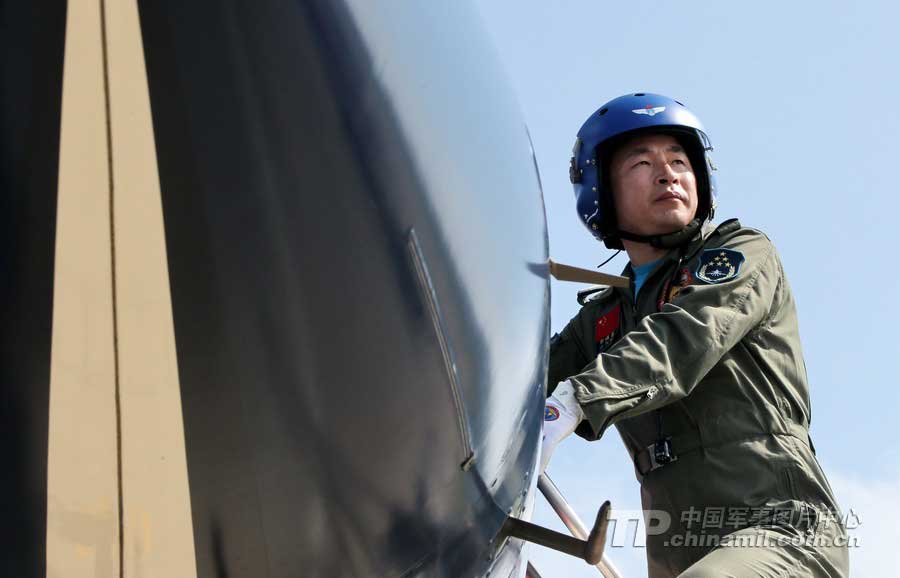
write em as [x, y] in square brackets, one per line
[698, 363]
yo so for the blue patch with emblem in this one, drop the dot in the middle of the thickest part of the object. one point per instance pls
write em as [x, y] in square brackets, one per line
[718, 265]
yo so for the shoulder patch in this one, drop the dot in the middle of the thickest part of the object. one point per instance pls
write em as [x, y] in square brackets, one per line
[719, 265]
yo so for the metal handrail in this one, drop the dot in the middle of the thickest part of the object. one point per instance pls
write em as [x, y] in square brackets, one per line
[570, 518]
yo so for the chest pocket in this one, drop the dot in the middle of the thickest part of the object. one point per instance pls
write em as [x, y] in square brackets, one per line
[606, 329]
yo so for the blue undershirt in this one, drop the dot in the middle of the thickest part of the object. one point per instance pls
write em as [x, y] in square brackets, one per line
[640, 275]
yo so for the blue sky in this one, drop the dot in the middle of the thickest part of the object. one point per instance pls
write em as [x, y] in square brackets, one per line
[802, 103]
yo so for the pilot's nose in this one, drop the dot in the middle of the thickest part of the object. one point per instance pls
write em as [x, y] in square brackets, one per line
[668, 175]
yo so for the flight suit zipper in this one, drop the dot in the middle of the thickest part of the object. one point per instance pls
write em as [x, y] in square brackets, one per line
[661, 451]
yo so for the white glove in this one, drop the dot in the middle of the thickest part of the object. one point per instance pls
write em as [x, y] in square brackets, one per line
[562, 415]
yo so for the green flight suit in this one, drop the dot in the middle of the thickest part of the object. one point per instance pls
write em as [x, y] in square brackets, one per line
[708, 356]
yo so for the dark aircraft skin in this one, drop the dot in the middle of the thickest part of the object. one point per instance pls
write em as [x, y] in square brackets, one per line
[31, 51]
[356, 249]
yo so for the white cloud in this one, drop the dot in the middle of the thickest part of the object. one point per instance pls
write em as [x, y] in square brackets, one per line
[877, 504]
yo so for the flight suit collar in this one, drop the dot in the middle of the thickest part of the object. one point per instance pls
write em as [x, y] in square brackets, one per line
[683, 254]
[686, 252]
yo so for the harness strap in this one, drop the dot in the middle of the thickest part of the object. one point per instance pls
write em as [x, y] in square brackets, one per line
[659, 454]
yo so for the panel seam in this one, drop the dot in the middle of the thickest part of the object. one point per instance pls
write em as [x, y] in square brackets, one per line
[112, 250]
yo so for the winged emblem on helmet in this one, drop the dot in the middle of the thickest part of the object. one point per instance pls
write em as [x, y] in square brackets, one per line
[649, 110]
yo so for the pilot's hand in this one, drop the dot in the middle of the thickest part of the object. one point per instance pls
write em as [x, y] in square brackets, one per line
[562, 415]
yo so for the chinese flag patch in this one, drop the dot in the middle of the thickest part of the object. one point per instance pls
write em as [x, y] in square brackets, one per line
[605, 329]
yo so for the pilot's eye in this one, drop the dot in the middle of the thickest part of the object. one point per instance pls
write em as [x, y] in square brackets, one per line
[678, 162]
[642, 163]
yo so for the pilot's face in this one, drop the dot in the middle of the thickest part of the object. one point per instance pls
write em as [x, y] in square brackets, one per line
[653, 184]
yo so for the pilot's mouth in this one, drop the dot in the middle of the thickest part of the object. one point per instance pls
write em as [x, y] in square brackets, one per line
[670, 196]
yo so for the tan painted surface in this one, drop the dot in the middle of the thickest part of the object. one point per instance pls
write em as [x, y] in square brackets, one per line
[82, 485]
[83, 536]
[579, 275]
[158, 531]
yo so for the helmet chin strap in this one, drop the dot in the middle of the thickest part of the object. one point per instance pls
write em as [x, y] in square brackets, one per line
[667, 240]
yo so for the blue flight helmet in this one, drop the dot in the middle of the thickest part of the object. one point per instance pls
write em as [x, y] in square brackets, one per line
[610, 126]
